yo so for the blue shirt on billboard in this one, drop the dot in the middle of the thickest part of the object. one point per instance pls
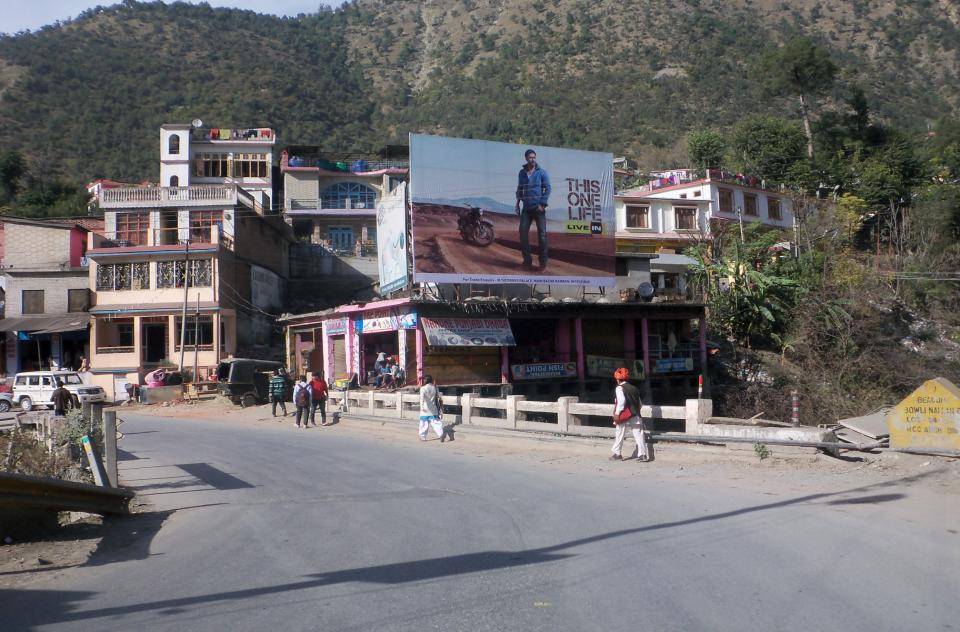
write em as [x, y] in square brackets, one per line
[533, 188]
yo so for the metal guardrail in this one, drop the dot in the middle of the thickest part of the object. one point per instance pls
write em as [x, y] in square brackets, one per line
[35, 492]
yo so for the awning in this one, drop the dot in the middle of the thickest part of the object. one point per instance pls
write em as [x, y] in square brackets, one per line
[46, 324]
[671, 263]
[205, 306]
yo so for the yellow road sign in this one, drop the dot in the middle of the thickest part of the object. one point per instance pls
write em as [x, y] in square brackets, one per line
[927, 418]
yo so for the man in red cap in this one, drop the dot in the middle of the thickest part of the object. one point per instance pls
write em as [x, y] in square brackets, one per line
[626, 414]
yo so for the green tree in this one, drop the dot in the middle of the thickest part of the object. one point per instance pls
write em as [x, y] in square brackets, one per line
[706, 149]
[799, 68]
[768, 147]
[12, 168]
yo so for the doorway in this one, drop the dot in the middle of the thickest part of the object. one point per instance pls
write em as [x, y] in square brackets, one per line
[341, 238]
[154, 342]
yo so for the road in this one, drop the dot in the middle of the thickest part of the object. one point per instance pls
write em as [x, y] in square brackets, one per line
[269, 528]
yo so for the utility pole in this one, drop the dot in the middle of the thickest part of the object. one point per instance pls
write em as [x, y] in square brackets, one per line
[740, 219]
[183, 314]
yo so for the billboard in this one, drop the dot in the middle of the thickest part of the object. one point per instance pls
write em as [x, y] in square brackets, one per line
[468, 332]
[489, 212]
[392, 240]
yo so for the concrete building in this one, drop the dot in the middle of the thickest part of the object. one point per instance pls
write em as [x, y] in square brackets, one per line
[208, 237]
[330, 201]
[677, 208]
[45, 278]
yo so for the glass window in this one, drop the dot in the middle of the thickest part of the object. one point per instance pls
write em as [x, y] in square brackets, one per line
[348, 195]
[773, 208]
[211, 166]
[726, 200]
[198, 328]
[21, 380]
[750, 204]
[638, 217]
[132, 228]
[33, 380]
[78, 300]
[47, 381]
[686, 218]
[70, 378]
[250, 166]
[174, 181]
[170, 273]
[32, 302]
[123, 276]
[174, 145]
[202, 224]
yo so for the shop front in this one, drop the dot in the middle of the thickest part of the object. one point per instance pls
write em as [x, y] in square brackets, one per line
[42, 342]
[540, 350]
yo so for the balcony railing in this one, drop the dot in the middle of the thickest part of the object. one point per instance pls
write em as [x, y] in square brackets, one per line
[153, 197]
[197, 235]
[345, 166]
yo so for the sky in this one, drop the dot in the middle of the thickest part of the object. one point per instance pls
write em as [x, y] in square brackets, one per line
[21, 15]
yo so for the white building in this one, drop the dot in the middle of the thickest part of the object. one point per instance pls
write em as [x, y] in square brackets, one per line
[676, 209]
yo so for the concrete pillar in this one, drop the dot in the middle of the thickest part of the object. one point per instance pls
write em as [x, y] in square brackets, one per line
[513, 415]
[697, 412]
[420, 354]
[466, 406]
[564, 418]
[371, 403]
[400, 404]
[563, 339]
[645, 345]
[629, 340]
[110, 446]
[578, 335]
[504, 365]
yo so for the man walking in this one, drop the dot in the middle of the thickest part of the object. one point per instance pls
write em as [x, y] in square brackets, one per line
[533, 193]
[303, 400]
[626, 414]
[318, 389]
[278, 393]
[62, 400]
[430, 410]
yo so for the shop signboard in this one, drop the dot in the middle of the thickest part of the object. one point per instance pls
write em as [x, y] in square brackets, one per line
[392, 239]
[604, 366]
[673, 365]
[336, 326]
[476, 214]
[386, 320]
[928, 418]
[543, 370]
[468, 332]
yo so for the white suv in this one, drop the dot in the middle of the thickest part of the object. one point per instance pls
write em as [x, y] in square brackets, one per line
[34, 389]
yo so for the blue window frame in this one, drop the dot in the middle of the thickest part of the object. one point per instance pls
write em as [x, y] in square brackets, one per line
[348, 195]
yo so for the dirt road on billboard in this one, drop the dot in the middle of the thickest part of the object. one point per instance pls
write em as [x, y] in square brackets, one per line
[440, 249]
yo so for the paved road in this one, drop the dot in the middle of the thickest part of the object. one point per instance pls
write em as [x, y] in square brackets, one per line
[274, 529]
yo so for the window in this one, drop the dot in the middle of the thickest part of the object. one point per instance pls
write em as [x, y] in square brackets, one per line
[199, 328]
[174, 181]
[69, 378]
[638, 217]
[123, 276]
[33, 380]
[115, 335]
[686, 218]
[250, 166]
[726, 201]
[170, 273]
[211, 166]
[132, 228]
[773, 208]
[173, 145]
[47, 381]
[32, 302]
[348, 195]
[750, 204]
[697, 193]
[78, 300]
[202, 224]
[683, 196]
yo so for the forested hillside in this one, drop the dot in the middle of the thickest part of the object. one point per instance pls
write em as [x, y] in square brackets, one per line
[85, 98]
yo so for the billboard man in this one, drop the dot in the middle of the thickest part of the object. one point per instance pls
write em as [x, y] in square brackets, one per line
[533, 193]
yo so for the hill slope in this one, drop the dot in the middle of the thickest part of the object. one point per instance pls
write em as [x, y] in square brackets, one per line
[85, 98]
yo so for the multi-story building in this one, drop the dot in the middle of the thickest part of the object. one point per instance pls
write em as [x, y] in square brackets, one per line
[206, 238]
[678, 208]
[332, 199]
[45, 277]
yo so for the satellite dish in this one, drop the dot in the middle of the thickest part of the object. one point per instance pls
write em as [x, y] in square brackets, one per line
[197, 123]
[646, 291]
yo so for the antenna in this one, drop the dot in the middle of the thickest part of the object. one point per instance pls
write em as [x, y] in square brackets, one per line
[197, 123]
